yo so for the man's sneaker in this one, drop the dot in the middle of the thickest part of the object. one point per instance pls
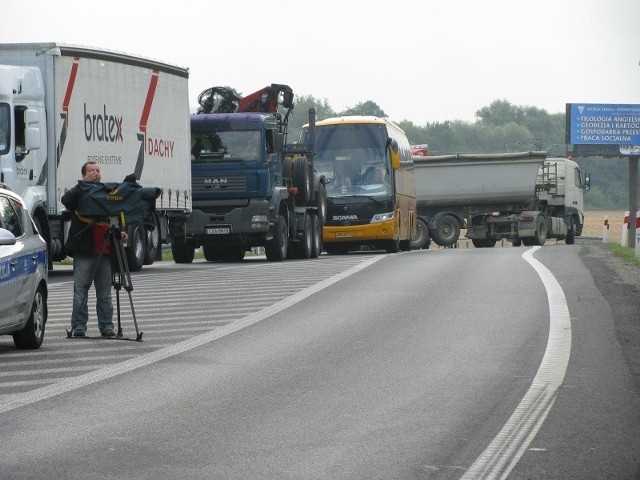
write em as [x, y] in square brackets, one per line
[78, 333]
[108, 333]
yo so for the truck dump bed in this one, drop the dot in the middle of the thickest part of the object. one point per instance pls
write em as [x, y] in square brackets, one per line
[467, 179]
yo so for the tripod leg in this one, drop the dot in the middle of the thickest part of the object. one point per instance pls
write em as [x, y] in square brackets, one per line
[118, 310]
[125, 277]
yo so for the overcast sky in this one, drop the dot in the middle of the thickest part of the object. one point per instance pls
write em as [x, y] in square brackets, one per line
[419, 60]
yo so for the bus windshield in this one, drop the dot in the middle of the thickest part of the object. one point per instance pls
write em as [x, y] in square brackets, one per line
[352, 157]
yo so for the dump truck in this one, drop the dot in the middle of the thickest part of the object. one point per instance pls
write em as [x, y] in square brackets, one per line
[63, 105]
[251, 189]
[524, 197]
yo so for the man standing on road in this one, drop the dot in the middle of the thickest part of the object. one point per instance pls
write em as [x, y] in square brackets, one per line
[91, 260]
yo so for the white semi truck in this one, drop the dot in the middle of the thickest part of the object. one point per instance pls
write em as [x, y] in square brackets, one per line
[524, 197]
[63, 105]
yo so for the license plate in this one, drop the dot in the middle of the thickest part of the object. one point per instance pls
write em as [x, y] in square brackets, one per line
[217, 230]
[345, 234]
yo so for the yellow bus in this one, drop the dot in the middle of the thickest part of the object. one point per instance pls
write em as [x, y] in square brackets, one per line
[371, 194]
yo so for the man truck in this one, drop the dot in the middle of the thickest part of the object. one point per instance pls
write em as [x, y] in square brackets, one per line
[63, 105]
[524, 197]
[250, 188]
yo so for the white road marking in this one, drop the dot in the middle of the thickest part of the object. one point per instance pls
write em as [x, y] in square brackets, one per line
[73, 383]
[506, 449]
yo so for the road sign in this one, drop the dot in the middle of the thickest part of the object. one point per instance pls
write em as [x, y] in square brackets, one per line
[604, 125]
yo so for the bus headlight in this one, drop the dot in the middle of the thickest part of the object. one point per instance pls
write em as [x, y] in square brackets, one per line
[383, 217]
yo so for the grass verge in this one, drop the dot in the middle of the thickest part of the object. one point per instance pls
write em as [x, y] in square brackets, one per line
[626, 253]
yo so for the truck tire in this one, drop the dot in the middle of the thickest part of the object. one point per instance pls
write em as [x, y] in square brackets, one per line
[211, 253]
[321, 203]
[182, 252]
[483, 242]
[137, 247]
[153, 242]
[287, 168]
[231, 254]
[301, 180]
[316, 227]
[304, 247]
[276, 248]
[541, 231]
[447, 231]
[420, 238]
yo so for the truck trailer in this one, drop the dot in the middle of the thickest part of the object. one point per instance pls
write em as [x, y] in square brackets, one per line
[524, 197]
[64, 105]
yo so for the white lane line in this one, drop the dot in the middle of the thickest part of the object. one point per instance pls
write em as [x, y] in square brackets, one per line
[73, 383]
[506, 449]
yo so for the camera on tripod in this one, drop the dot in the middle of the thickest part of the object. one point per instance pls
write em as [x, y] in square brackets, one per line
[121, 203]
[128, 201]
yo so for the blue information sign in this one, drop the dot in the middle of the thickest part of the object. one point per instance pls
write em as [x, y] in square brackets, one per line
[603, 124]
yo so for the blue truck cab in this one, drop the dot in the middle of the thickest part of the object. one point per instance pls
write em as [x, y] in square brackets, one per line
[250, 189]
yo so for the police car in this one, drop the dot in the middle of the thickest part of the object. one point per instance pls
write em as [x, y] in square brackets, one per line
[23, 274]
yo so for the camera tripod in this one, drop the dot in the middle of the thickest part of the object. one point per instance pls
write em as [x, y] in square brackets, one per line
[120, 274]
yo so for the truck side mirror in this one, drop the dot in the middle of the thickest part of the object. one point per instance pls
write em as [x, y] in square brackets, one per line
[32, 130]
[587, 181]
[32, 138]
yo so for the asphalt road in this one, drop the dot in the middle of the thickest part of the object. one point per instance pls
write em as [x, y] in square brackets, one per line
[406, 369]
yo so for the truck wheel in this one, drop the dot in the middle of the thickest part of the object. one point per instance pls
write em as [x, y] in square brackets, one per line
[153, 242]
[287, 167]
[182, 252]
[316, 228]
[447, 231]
[276, 248]
[541, 231]
[321, 203]
[483, 242]
[210, 253]
[238, 253]
[136, 250]
[301, 180]
[304, 247]
[571, 233]
[231, 254]
[420, 238]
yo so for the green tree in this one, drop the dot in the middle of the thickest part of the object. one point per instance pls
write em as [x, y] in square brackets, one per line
[365, 108]
[300, 114]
